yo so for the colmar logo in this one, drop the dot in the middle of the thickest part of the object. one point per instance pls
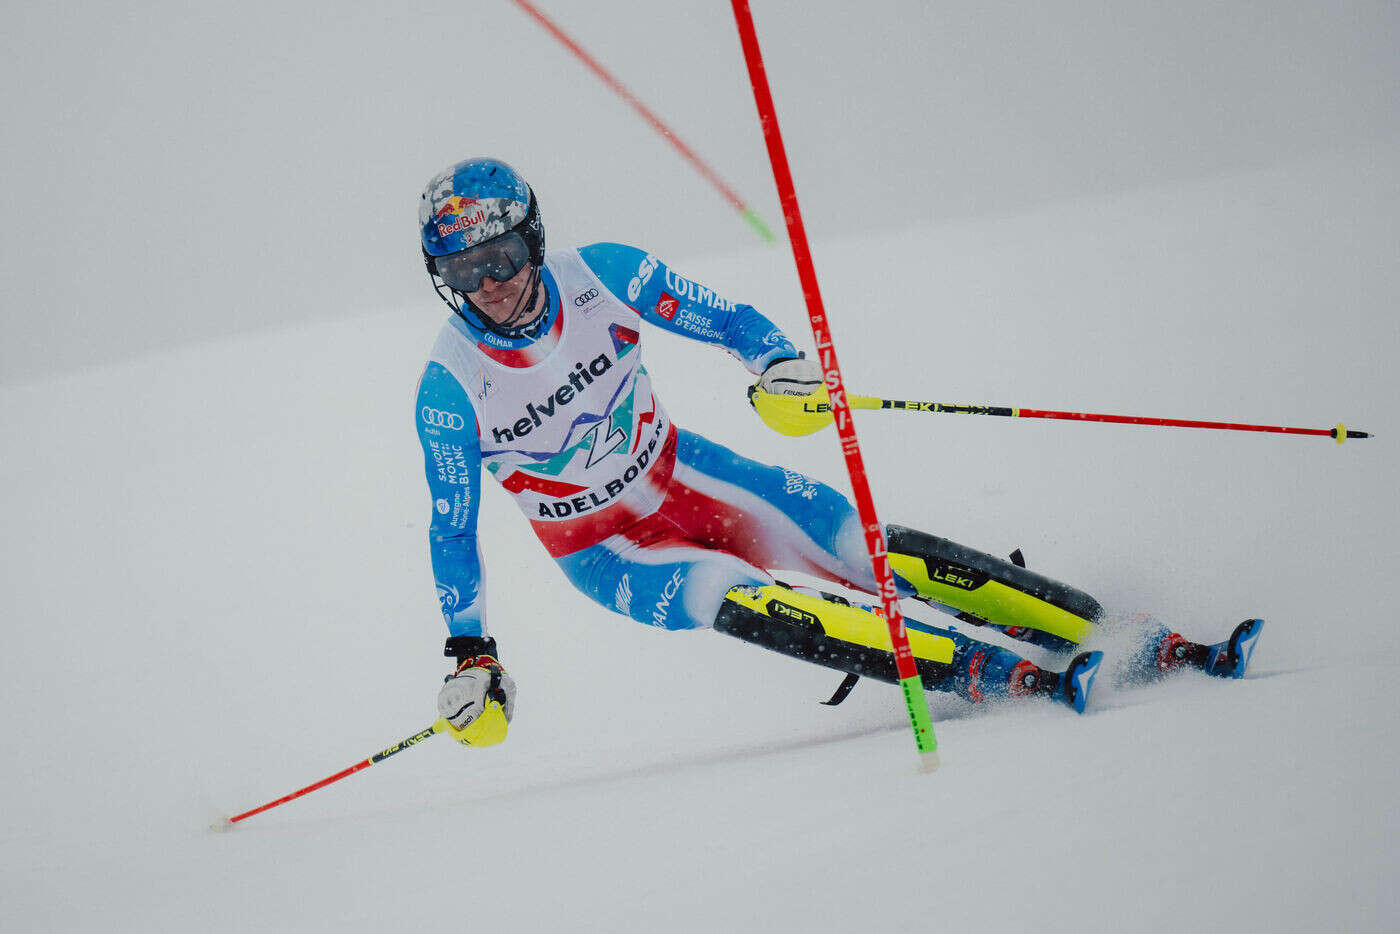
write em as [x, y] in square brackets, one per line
[666, 306]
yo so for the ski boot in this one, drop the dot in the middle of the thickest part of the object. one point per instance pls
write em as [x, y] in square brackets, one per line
[981, 676]
[1078, 680]
[1165, 651]
[1230, 658]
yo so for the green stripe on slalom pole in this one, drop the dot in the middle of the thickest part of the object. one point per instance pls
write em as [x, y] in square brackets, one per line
[757, 224]
[919, 716]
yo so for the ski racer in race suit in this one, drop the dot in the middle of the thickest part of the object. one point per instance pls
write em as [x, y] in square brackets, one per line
[538, 376]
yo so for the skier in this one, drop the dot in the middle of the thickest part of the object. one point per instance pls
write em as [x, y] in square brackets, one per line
[538, 375]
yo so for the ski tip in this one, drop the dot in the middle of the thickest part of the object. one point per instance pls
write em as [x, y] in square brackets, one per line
[222, 825]
[1079, 679]
[929, 761]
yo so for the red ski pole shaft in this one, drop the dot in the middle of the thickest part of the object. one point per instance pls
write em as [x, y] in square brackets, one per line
[380, 756]
[1340, 432]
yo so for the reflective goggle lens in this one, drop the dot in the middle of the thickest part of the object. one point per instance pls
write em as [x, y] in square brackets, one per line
[500, 259]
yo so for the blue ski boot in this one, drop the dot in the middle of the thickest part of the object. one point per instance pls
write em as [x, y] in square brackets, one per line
[1230, 658]
[984, 672]
[1078, 680]
[1164, 651]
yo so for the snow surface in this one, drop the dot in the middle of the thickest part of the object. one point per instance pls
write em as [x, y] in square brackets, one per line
[216, 590]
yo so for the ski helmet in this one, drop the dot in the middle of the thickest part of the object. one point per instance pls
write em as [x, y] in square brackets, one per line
[476, 202]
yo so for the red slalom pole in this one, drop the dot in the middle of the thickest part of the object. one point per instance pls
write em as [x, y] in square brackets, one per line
[919, 719]
[380, 756]
[636, 104]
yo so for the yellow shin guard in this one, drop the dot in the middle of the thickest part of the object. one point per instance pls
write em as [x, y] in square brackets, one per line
[991, 589]
[827, 632]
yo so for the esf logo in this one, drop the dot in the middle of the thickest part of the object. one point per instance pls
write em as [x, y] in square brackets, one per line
[585, 298]
[644, 271]
[440, 419]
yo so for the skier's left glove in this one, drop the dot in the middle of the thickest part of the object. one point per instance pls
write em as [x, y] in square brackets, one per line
[791, 376]
[478, 699]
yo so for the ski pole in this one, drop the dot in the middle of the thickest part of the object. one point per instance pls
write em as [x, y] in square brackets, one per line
[802, 415]
[439, 726]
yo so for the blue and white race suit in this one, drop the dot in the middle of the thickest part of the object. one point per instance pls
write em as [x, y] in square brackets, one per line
[649, 520]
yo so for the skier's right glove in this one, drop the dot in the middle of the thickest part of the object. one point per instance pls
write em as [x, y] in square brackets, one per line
[478, 699]
[792, 376]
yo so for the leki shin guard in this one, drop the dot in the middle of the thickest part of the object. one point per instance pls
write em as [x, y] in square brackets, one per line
[829, 632]
[988, 589]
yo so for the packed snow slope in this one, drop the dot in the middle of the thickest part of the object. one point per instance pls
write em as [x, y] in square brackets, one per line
[217, 591]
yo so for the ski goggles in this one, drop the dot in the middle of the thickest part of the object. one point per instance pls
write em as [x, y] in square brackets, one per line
[500, 258]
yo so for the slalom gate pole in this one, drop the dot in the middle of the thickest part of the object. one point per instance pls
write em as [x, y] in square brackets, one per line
[709, 174]
[909, 681]
[796, 415]
[438, 727]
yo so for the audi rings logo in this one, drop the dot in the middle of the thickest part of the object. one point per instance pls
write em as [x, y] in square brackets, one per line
[440, 419]
[585, 298]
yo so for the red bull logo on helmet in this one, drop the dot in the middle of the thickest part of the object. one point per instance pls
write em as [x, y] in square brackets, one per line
[463, 213]
[462, 221]
[454, 205]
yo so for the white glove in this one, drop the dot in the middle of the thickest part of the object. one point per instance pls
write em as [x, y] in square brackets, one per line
[791, 377]
[464, 694]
